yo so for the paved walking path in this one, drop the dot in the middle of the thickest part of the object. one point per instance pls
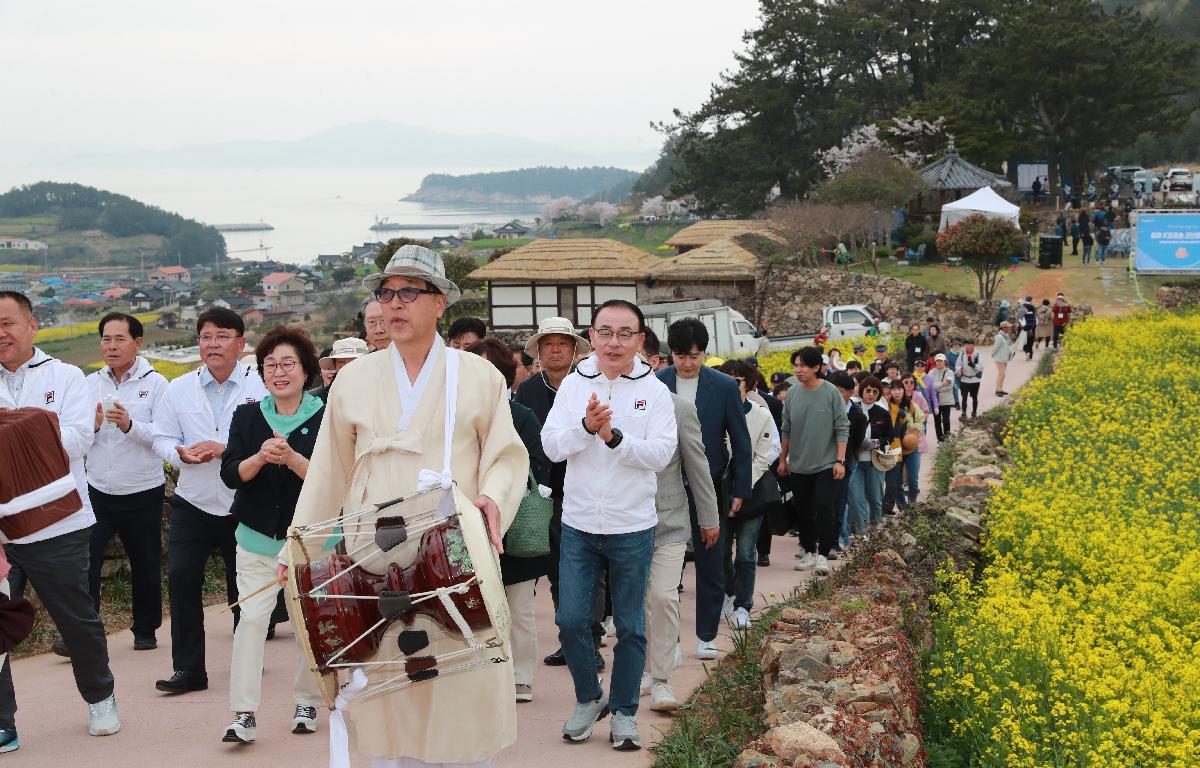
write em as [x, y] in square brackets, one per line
[185, 731]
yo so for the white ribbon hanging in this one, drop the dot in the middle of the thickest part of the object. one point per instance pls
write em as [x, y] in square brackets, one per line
[339, 737]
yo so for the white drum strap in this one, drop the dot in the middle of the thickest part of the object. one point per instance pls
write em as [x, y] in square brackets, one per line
[443, 595]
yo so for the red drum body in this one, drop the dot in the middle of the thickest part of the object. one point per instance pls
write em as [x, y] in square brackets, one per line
[342, 629]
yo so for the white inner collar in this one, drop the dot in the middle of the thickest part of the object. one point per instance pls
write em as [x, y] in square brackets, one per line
[411, 392]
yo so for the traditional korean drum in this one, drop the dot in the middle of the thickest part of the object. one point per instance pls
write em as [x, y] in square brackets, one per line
[405, 575]
[37, 488]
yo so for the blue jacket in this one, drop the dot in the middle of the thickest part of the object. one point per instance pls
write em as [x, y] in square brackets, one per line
[719, 404]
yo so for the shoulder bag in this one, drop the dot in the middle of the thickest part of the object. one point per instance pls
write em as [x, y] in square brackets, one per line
[529, 534]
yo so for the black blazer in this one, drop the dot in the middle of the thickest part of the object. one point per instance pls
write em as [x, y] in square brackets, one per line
[880, 421]
[719, 405]
[514, 570]
[858, 431]
[268, 502]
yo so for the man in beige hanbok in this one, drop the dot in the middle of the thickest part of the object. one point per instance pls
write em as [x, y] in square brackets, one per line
[384, 424]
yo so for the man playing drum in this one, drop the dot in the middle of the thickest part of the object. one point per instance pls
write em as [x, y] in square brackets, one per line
[384, 424]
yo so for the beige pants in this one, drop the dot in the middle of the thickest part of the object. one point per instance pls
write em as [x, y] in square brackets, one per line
[524, 630]
[662, 609]
[249, 642]
[1001, 369]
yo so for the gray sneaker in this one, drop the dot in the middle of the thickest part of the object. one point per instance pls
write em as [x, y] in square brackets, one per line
[579, 725]
[624, 733]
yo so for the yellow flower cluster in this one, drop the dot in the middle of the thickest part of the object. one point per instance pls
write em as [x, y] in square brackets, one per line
[75, 330]
[777, 362]
[1079, 645]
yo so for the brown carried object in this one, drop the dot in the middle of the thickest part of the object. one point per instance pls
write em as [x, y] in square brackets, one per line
[438, 563]
[37, 488]
[911, 439]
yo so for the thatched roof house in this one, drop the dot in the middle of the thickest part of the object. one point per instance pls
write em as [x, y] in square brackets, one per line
[562, 277]
[704, 232]
[724, 269]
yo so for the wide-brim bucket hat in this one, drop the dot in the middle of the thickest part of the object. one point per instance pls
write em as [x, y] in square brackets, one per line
[420, 262]
[884, 461]
[556, 326]
[350, 348]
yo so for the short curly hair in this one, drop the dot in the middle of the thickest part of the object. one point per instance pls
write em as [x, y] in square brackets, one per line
[288, 334]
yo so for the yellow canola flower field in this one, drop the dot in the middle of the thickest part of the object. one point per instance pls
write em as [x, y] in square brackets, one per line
[1079, 645]
[75, 330]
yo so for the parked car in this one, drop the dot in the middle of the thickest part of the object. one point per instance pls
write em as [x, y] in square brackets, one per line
[1125, 174]
[1151, 180]
[1179, 179]
[730, 334]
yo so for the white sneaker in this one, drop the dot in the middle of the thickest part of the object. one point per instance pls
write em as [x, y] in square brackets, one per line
[524, 692]
[807, 561]
[304, 720]
[707, 651]
[822, 566]
[241, 730]
[610, 627]
[727, 607]
[678, 657]
[741, 618]
[662, 698]
[103, 720]
[647, 681]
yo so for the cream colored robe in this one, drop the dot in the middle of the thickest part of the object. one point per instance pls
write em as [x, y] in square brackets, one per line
[461, 717]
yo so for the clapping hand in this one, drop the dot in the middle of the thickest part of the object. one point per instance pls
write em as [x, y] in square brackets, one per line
[598, 418]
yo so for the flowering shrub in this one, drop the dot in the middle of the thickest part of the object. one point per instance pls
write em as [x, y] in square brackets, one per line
[1078, 644]
[777, 362]
[985, 245]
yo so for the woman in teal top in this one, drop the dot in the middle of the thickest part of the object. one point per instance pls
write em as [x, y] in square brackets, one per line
[265, 462]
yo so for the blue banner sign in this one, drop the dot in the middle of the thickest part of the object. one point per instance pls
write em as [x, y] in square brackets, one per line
[1167, 242]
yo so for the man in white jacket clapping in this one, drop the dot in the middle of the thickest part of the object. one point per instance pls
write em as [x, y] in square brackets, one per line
[613, 422]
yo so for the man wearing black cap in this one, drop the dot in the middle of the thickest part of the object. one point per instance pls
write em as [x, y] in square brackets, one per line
[877, 365]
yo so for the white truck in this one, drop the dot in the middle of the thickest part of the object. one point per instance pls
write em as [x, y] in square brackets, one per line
[843, 321]
[730, 334]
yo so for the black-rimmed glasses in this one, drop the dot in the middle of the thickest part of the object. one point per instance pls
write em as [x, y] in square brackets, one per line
[408, 294]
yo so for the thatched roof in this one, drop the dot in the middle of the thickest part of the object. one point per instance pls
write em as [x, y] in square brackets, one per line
[705, 232]
[570, 260]
[726, 259]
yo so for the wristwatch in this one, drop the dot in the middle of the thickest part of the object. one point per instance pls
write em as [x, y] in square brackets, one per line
[840, 461]
[616, 439]
[583, 421]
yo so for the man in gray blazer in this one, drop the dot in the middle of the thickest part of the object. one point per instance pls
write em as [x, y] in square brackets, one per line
[670, 542]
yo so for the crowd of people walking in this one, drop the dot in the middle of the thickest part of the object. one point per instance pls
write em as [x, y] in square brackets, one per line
[651, 459]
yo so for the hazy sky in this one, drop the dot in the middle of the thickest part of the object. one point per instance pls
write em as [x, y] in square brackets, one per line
[161, 73]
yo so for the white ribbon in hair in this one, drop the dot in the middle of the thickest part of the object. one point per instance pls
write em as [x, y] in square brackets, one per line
[339, 737]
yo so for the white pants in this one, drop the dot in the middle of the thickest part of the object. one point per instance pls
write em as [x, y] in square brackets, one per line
[408, 762]
[249, 642]
[662, 609]
[524, 630]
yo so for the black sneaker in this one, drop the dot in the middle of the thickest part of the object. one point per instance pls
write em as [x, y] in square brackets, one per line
[764, 561]
[555, 659]
[60, 649]
[144, 643]
[9, 741]
[183, 682]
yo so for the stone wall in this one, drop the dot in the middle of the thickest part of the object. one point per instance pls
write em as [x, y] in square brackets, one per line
[840, 671]
[792, 299]
[1179, 295]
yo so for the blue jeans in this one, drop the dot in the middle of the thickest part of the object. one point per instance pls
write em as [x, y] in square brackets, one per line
[1087, 253]
[740, 563]
[893, 489]
[912, 474]
[842, 511]
[1101, 253]
[582, 557]
[866, 496]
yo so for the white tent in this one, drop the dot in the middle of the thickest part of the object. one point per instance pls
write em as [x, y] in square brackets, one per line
[984, 201]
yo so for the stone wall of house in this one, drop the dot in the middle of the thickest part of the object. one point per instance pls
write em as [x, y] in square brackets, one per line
[1179, 295]
[792, 299]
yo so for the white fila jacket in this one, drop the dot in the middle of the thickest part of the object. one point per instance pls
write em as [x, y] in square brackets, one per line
[121, 463]
[611, 490]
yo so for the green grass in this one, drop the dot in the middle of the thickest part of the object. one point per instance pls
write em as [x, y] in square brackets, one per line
[16, 267]
[495, 242]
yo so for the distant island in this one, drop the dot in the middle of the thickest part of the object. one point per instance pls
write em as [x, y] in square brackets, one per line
[526, 186]
[75, 224]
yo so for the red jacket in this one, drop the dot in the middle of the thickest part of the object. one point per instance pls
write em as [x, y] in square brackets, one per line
[1062, 314]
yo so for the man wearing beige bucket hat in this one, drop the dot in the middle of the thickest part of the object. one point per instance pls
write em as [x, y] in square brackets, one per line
[340, 355]
[555, 346]
[384, 436]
